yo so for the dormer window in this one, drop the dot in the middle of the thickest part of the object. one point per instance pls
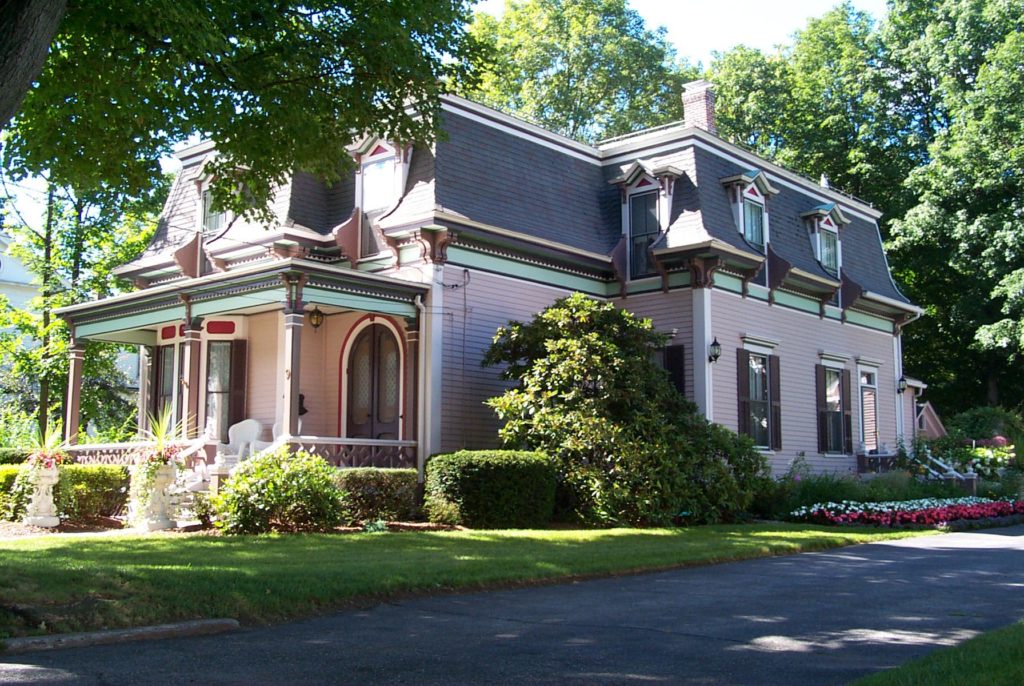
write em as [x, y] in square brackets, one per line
[748, 195]
[753, 223]
[213, 220]
[643, 231]
[824, 223]
[379, 185]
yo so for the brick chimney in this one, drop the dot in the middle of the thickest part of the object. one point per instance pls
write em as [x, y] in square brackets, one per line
[699, 105]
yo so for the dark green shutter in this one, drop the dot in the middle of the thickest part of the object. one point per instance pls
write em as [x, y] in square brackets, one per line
[236, 401]
[675, 365]
[775, 396]
[819, 387]
[743, 391]
[847, 413]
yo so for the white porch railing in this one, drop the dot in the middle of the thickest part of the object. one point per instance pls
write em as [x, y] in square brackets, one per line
[124, 453]
[353, 452]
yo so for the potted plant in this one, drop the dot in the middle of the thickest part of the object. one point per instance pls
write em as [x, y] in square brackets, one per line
[37, 478]
[153, 473]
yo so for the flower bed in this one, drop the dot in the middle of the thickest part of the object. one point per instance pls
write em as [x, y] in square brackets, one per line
[928, 512]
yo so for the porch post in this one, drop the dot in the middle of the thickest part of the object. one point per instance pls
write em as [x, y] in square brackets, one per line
[701, 283]
[145, 369]
[190, 375]
[76, 355]
[292, 355]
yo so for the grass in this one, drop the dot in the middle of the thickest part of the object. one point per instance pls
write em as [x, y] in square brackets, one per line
[51, 584]
[995, 658]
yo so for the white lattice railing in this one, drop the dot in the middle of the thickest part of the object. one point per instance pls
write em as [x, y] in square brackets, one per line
[124, 453]
[352, 452]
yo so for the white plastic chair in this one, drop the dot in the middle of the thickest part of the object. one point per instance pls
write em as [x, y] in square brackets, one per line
[241, 437]
[276, 432]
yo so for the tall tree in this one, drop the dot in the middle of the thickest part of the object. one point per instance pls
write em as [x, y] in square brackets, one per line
[277, 85]
[584, 68]
[81, 239]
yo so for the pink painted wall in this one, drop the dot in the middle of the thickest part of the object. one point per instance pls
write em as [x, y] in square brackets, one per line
[672, 310]
[801, 337]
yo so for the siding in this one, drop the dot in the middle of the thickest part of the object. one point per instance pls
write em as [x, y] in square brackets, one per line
[672, 310]
[472, 313]
[263, 365]
[800, 337]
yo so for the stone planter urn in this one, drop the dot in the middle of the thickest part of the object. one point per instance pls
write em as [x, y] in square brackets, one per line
[155, 513]
[41, 510]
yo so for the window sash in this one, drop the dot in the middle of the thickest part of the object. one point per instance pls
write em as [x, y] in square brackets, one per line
[212, 221]
[869, 417]
[753, 223]
[830, 251]
[760, 422]
[644, 228]
[218, 388]
[378, 184]
[833, 410]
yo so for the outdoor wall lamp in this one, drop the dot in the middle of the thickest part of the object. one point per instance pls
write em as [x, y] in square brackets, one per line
[901, 385]
[316, 318]
[714, 351]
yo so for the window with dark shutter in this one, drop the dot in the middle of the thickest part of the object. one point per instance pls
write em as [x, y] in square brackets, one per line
[743, 391]
[835, 422]
[675, 365]
[819, 387]
[776, 402]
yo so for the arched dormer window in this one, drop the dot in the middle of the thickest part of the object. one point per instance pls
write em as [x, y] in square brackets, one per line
[748, 195]
[824, 223]
[379, 171]
[646, 203]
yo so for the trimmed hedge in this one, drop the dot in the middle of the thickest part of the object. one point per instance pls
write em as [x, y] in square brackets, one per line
[91, 491]
[373, 494]
[491, 489]
[13, 455]
[7, 475]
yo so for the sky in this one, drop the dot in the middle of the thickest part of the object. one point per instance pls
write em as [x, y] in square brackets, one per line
[697, 28]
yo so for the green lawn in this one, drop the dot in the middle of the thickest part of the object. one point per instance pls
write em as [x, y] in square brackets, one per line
[50, 584]
[992, 659]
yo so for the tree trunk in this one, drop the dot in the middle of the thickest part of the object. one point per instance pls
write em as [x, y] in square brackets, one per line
[47, 292]
[993, 389]
[27, 28]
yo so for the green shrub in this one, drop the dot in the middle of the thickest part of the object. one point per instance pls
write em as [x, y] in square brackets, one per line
[13, 455]
[491, 489]
[280, 491]
[8, 473]
[89, 491]
[981, 423]
[379, 494]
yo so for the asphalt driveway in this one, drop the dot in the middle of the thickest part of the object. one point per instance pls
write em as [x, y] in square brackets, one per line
[820, 618]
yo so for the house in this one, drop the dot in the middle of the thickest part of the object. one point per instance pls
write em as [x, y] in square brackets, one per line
[368, 305]
[16, 281]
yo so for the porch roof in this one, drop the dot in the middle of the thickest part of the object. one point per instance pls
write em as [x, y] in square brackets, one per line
[126, 318]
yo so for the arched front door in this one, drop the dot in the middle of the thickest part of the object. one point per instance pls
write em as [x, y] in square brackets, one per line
[374, 384]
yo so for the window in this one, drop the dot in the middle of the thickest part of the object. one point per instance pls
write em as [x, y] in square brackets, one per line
[834, 421]
[760, 406]
[225, 386]
[163, 399]
[213, 222]
[829, 251]
[672, 359]
[753, 223]
[643, 230]
[869, 410]
[378, 184]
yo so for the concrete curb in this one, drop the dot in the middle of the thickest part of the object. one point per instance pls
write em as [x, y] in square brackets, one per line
[199, 627]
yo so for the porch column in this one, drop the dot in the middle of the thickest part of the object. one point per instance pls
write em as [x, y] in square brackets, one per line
[76, 355]
[701, 283]
[145, 369]
[292, 356]
[191, 348]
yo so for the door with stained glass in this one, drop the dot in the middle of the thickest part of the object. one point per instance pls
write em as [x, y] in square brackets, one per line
[374, 374]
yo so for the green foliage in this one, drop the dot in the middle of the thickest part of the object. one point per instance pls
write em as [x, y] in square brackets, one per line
[378, 494]
[586, 69]
[629, 448]
[491, 489]
[13, 455]
[280, 491]
[89, 491]
[279, 86]
[982, 423]
[8, 507]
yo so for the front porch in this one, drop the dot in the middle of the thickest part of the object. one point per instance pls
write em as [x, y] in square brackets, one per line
[322, 357]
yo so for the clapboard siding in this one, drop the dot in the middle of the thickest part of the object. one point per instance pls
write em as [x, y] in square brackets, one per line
[801, 338]
[263, 363]
[472, 314]
[668, 311]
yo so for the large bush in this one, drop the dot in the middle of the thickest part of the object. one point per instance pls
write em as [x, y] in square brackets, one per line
[491, 489]
[90, 491]
[8, 473]
[378, 494]
[983, 423]
[280, 491]
[630, 449]
[13, 455]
